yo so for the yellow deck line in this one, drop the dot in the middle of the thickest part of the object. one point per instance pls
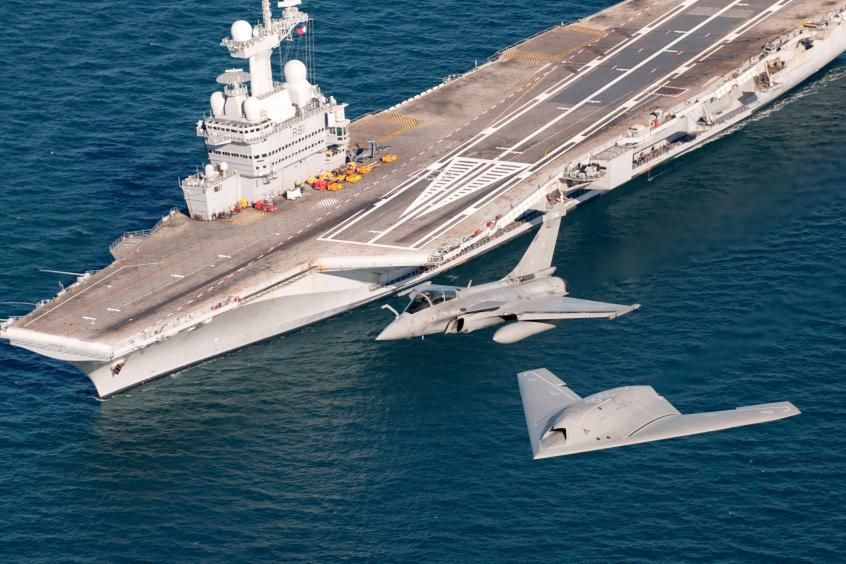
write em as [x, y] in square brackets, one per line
[406, 124]
[594, 35]
[248, 217]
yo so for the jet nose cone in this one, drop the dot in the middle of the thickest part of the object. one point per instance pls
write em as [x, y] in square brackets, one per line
[386, 334]
[398, 329]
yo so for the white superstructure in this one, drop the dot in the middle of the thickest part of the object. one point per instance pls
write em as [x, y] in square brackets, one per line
[264, 136]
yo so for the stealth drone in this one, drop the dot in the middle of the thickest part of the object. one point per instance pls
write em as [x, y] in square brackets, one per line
[530, 300]
[560, 422]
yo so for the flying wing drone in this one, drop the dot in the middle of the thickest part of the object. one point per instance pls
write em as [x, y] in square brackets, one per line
[561, 422]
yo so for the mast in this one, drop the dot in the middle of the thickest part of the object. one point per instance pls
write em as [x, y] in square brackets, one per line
[265, 13]
[256, 45]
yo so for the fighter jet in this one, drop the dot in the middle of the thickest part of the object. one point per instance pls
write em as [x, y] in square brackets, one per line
[560, 422]
[530, 299]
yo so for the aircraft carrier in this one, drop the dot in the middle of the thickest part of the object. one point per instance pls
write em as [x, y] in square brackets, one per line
[551, 122]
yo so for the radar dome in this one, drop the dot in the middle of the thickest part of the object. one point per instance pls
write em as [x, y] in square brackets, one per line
[224, 166]
[241, 30]
[218, 102]
[295, 72]
[252, 109]
[210, 171]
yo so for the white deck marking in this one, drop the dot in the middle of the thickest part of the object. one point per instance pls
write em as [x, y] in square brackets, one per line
[489, 173]
[454, 171]
[460, 178]
[496, 173]
[618, 43]
[367, 244]
[712, 52]
[90, 287]
[611, 83]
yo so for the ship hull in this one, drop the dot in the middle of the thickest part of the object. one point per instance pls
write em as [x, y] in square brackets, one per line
[297, 305]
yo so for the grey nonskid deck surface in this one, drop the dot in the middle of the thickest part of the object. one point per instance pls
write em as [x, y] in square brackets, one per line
[544, 100]
[585, 98]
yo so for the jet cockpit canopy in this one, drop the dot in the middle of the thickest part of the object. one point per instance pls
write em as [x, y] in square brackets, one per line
[428, 298]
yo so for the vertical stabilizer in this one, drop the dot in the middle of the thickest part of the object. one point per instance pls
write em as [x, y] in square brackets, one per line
[539, 254]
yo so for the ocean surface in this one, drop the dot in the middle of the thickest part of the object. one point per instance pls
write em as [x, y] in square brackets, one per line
[326, 446]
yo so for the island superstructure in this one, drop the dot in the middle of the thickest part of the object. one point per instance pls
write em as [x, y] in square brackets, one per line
[265, 139]
[547, 124]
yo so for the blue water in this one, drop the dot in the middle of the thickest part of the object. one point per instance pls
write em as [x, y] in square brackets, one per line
[324, 445]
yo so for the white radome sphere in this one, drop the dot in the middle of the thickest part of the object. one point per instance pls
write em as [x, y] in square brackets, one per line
[210, 170]
[224, 166]
[295, 72]
[252, 109]
[241, 30]
[218, 102]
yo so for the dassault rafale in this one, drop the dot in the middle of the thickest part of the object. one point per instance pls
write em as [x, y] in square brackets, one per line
[529, 300]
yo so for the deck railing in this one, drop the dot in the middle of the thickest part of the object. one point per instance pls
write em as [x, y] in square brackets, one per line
[142, 233]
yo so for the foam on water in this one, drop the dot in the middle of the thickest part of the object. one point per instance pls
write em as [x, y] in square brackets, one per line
[324, 445]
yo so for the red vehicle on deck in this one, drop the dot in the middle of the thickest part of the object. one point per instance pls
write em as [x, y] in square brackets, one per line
[266, 205]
